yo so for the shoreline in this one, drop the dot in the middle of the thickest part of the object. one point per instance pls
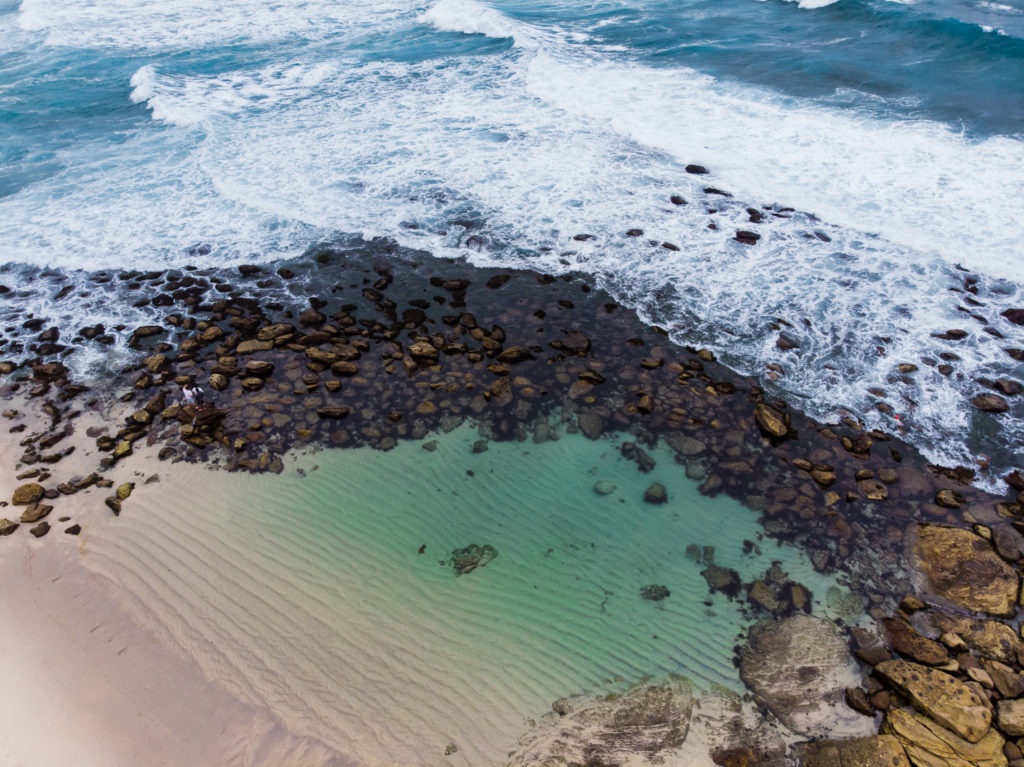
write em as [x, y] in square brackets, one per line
[845, 495]
[113, 693]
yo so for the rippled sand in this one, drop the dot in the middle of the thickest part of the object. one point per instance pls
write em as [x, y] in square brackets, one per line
[303, 596]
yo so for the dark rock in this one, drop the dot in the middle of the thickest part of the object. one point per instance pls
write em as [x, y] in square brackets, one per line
[1008, 387]
[7, 527]
[696, 169]
[722, 579]
[747, 237]
[786, 342]
[1016, 316]
[41, 529]
[677, 200]
[74, 529]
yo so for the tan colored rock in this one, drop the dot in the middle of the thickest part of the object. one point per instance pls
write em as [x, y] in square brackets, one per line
[941, 696]
[929, 744]
[772, 422]
[123, 449]
[962, 567]
[872, 751]
[1010, 717]
[155, 363]
[991, 639]
[254, 345]
[125, 490]
[7, 526]
[27, 494]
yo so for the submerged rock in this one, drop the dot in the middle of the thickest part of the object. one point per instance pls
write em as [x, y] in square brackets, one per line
[604, 487]
[799, 668]
[644, 724]
[471, 557]
[654, 593]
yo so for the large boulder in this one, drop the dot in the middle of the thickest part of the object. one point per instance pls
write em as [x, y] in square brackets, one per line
[929, 744]
[960, 566]
[872, 751]
[941, 696]
[643, 725]
[799, 668]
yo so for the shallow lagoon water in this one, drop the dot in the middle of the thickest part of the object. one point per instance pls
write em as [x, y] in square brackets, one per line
[304, 593]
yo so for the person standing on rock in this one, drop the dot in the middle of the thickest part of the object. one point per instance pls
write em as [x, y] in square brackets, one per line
[188, 391]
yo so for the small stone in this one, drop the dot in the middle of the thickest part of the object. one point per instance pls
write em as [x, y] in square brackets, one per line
[604, 487]
[113, 504]
[125, 490]
[41, 529]
[7, 526]
[73, 530]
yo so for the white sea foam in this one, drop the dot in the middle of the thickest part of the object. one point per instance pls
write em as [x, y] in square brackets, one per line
[552, 140]
[191, 24]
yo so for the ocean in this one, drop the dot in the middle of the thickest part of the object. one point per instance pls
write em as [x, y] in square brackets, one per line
[875, 147]
[817, 192]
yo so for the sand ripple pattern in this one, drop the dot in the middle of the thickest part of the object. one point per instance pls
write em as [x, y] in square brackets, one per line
[306, 596]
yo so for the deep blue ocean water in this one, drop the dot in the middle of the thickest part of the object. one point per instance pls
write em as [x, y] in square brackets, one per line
[144, 135]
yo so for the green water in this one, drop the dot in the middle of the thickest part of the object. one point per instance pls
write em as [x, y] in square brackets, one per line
[305, 592]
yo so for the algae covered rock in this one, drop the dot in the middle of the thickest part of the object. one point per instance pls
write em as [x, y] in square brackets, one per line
[941, 696]
[799, 668]
[27, 494]
[645, 724]
[466, 560]
[962, 567]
